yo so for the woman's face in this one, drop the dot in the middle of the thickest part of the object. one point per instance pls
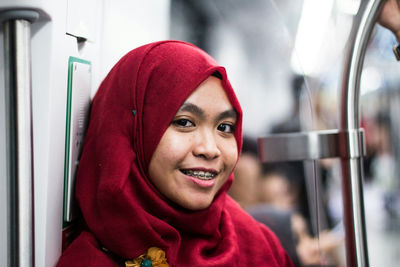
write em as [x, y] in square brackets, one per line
[198, 150]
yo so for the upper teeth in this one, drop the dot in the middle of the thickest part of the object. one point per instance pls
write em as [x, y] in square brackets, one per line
[200, 174]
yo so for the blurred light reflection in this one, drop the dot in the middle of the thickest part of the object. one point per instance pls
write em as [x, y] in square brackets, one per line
[311, 35]
[371, 80]
[348, 6]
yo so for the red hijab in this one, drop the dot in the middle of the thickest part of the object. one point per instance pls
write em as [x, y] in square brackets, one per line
[124, 212]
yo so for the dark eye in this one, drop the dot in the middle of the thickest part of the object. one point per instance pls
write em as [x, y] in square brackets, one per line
[183, 123]
[226, 128]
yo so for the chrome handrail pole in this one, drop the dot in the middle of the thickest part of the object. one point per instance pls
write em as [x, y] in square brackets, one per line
[352, 167]
[18, 91]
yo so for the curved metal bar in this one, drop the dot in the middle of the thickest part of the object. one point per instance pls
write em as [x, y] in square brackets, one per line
[352, 169]
[359, 37]
[19, 138]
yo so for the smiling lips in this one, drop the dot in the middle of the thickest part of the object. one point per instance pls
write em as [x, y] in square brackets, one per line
[200, 174]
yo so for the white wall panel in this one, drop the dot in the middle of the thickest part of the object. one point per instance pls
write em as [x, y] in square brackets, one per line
[129, 24]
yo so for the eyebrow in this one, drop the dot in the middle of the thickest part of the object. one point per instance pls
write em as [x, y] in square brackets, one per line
[192, 108]
[230, 113]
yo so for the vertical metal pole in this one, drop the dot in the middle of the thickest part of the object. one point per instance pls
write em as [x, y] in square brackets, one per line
[19, 138]
[352, 168]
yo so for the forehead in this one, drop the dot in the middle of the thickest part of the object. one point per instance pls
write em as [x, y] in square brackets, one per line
[210, 94]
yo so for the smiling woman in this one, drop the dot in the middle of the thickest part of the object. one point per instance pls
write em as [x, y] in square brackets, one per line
[198, 151]
[163, 139]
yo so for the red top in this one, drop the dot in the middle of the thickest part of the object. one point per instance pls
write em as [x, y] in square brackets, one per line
[124, 212]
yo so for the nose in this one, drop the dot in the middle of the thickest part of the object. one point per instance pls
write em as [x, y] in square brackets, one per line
[206, 145]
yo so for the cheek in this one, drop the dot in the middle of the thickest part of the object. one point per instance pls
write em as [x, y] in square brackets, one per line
[176, 146]
[172, 149]
[231, 153]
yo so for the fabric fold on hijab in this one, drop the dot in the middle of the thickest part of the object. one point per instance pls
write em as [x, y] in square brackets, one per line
[130, 113]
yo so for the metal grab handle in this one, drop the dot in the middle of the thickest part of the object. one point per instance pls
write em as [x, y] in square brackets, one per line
[352, 169]
[349, 148]
[16, 26]
[310, 145]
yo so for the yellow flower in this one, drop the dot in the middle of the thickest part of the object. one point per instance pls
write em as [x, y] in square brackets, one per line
[155, 256]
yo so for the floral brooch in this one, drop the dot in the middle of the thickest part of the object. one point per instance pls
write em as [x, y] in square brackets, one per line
[155, 257]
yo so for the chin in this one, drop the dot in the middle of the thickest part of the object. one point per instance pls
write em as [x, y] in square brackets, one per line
[197, 204]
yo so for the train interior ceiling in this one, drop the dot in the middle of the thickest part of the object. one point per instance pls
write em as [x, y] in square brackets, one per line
[285, 60]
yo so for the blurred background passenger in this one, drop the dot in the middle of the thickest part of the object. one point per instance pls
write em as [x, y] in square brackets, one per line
[270, 197]
[244, 190]
[383, 166]
[247, 173]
